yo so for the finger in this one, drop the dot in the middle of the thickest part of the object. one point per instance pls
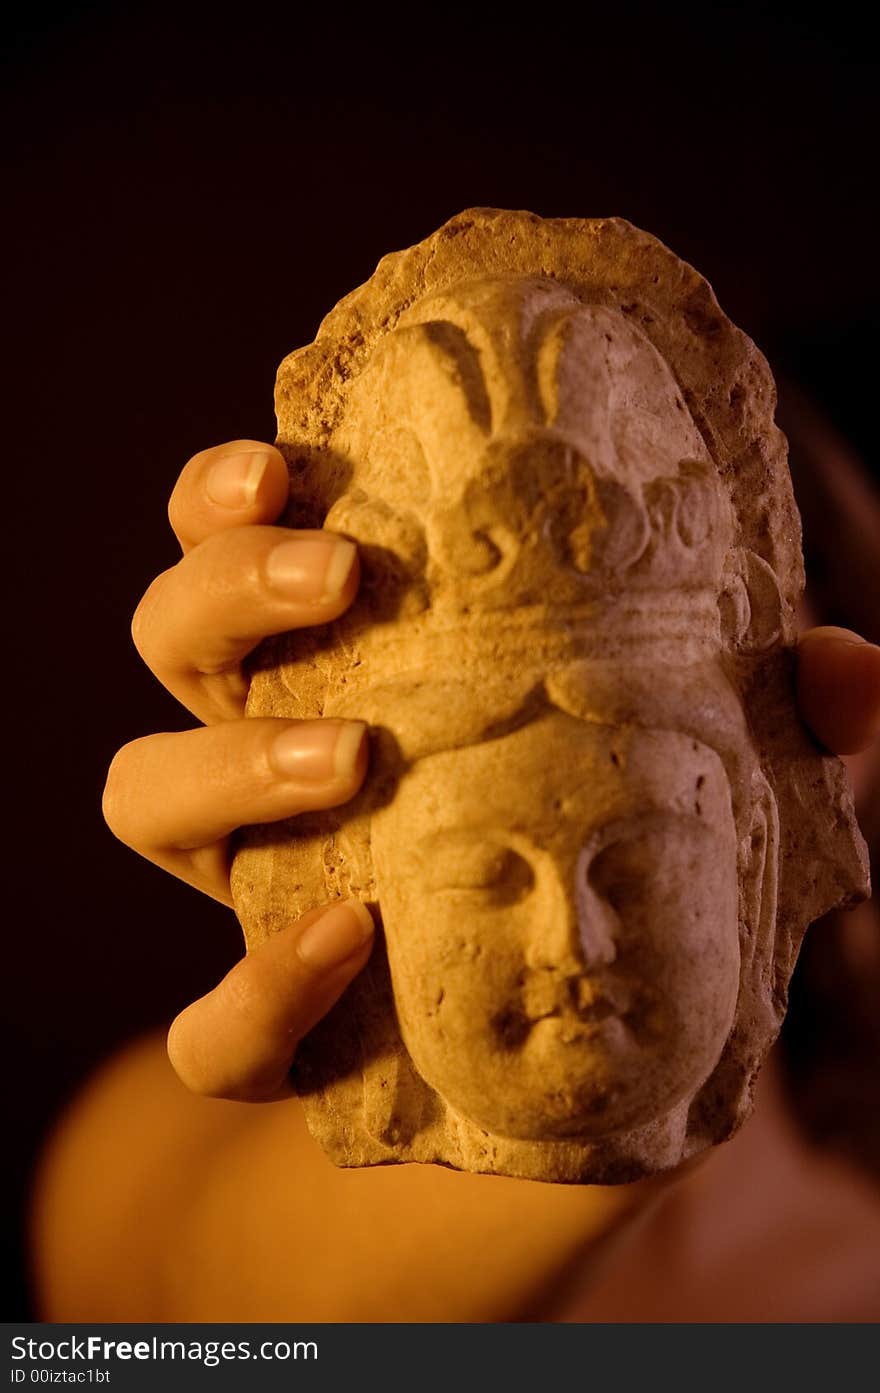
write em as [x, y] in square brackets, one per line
[243, 481]
[239, 1040]
[200, 618]
[175, 797]
[838, 688]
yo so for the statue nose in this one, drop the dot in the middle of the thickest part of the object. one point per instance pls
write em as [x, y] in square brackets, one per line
[578, 929]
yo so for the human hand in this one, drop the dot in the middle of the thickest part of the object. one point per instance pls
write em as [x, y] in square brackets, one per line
[838, 688]
[175, 798]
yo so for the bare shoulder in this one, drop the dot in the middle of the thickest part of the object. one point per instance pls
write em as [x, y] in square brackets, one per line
[153, 1204]
[113, 1173]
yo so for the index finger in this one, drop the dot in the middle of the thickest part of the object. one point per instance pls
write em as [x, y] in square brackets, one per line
[230, 485]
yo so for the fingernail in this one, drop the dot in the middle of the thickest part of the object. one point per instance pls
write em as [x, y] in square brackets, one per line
[311, 568]
[233, 480]
[847, 638]
[338, 934]
[319, 750]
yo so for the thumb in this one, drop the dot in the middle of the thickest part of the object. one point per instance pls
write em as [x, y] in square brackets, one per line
[239, 1040]
[838, 688]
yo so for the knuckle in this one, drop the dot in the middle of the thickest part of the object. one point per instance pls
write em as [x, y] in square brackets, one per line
[245, 992]
[177, 504]
[174, 511]
[180, 503]
[142, 625]
[186, 1066]
[121, 784]
[113, 798]
[222, 568]
[138, 629]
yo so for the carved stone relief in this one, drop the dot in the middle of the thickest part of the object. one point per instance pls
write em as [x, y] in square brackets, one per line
[594, 827]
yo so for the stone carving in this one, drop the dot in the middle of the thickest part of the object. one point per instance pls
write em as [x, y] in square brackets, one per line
[594, 827]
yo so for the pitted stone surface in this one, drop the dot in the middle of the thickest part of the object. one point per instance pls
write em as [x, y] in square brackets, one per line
[594, 827]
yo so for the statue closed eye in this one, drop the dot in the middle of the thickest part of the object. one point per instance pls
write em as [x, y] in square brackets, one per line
[590, 792]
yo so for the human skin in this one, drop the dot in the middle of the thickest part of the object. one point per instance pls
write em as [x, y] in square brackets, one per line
[161, 1218]
[560, 1038]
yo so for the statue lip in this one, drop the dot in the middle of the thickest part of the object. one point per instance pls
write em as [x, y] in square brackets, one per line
[600, 1010]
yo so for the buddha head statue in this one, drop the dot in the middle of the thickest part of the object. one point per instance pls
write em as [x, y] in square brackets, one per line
[594, 827]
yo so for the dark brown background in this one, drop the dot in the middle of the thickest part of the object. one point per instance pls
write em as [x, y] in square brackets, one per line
[190, 189]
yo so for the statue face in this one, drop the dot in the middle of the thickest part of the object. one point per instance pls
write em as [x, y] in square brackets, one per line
[560, 908]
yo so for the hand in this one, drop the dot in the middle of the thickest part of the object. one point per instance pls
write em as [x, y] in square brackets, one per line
[175, 798]
[838, 688]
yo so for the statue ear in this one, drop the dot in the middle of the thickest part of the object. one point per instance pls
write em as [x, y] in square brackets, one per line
[750, 602]
[759, 878]
[759, 1007]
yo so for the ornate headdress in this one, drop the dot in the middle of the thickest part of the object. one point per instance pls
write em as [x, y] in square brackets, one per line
[522, 337]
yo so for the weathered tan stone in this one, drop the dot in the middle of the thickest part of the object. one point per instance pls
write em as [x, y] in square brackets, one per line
[594, 827]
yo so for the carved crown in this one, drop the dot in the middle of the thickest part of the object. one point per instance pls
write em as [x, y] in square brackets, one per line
[517, 465]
